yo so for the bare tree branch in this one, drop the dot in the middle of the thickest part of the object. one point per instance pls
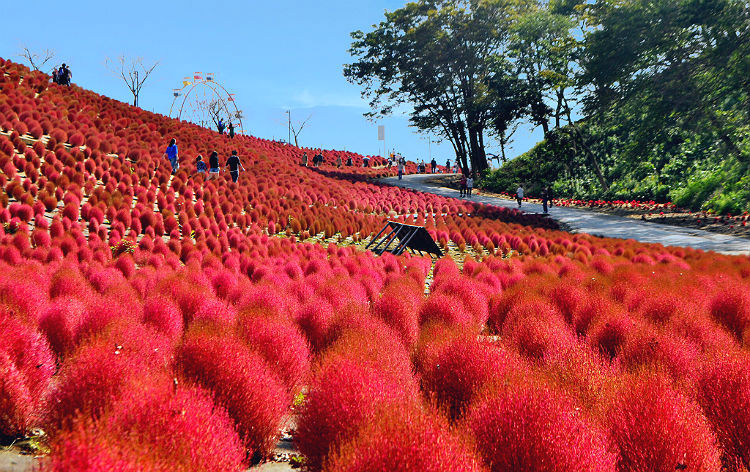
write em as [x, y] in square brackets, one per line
[133, 73]
[296, 131]
[37, 60]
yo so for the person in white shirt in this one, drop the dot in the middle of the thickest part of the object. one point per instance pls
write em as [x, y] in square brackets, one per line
[469, 184]
[519, 195]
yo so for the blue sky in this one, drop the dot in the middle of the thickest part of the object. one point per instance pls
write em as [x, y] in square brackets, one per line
[274, 55]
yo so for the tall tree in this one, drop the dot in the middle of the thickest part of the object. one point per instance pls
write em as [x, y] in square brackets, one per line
[434, 58]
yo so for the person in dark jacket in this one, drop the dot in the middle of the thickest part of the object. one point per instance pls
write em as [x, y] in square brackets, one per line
[213, 166]
[546, 198]
[234, 165]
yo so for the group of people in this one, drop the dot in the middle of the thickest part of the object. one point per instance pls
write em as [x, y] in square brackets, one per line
[318, 159]
[466, 184]
[221, 127]
[212, 169]
[546, 197]
[62, 75]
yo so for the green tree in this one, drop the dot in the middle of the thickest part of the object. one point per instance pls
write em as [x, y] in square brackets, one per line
[436, 59]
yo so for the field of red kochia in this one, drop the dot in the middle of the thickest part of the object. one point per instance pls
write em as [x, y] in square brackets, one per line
[159, 323]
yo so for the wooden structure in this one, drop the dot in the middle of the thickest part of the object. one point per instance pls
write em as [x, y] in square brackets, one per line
[414, 238]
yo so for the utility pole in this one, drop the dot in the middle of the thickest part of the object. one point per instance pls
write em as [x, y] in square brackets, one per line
[429, 146]
[289, 126]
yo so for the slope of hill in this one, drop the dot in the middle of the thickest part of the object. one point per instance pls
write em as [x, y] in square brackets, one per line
[153, 322]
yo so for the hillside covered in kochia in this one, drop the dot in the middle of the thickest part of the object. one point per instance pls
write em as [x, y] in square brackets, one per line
[665, 96]
[155, 323]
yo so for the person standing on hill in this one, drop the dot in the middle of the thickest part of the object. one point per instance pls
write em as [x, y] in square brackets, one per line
[220, 126]
[469, 184]
[365, 161]
[462, 184]
[519, 195]
[213, 166]
[433, 165]
[304, 159]
[172, 155]
[64, 75]
[448, 166]
[338, 161]
[231, 130]
[234, 165]
[401, 164]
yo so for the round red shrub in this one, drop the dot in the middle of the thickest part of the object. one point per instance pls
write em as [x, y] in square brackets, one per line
[282, 345]
[343, 397]
[404, 440]
[241, 382]
[26, 368]
[657, 428]
[462, 369]
[724, 394]
[533, 428]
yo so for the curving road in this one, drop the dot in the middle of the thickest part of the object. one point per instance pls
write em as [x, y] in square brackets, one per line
[599, 224]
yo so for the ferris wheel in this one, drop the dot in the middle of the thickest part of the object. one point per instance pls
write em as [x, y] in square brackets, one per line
[204, 101]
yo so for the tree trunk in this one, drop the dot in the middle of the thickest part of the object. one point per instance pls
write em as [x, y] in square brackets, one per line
[594, 160]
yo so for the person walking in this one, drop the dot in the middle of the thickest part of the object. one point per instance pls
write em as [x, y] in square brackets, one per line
[220, 126]
[546, 198]
[447, 166]
[231, 130]
[172, 154]
[401, 164]
[213, 166]
[200, 164]
[338, 161]
[462, 184]
[519, 195]
[365, 161]
[234, 165]
[304, 159]
[433, 165]
[470, 184]
[349, 161]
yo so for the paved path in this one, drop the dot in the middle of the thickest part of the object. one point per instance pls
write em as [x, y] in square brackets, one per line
[599, 224]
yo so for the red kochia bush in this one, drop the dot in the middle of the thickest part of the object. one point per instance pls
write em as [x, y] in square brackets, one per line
[404, 440]
[26, 367]
[445, 309]
[462, 369]
[533, 428]
[343, 397]
[182, 427]
[656, 428]
[164, 315]
[60, 322]
[731, 308]
[90, 380]
[282, 345]
[398, 306]
[724, 394]
[241, 382]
